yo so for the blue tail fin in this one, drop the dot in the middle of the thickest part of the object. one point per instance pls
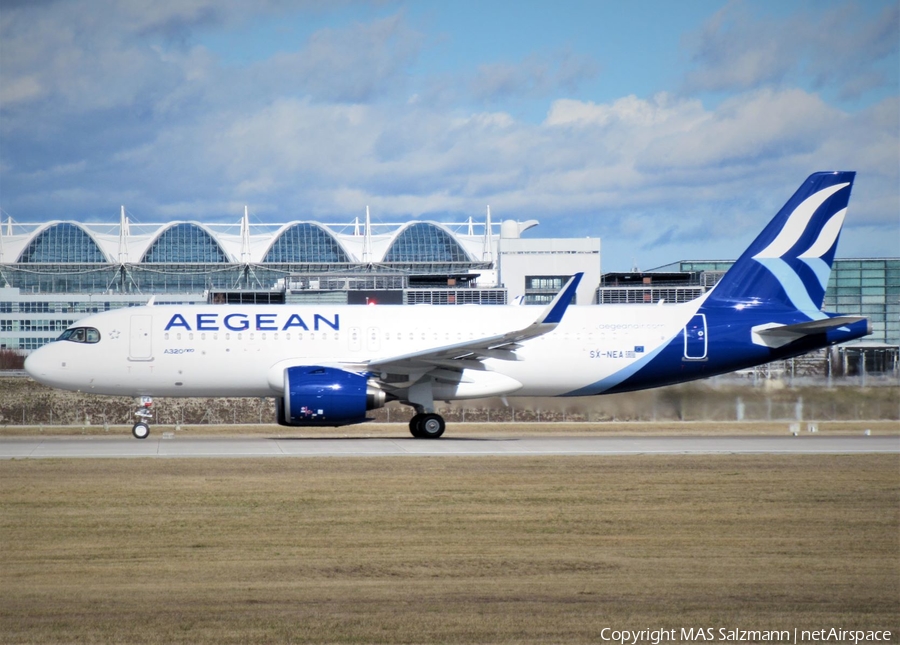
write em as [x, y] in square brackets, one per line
[788, 265]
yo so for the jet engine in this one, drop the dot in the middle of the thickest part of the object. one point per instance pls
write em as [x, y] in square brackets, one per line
[325, 396]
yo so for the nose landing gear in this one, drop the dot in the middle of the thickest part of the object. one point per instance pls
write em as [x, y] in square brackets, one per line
[141, 429]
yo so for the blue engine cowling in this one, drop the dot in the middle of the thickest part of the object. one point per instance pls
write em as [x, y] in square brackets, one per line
[325, 396]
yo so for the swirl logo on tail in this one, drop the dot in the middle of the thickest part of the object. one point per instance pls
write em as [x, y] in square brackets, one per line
[779, 256]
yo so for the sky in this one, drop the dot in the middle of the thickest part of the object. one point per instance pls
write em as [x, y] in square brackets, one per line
[670, 130]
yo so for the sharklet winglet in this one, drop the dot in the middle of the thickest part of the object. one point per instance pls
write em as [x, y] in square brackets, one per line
[555, 310]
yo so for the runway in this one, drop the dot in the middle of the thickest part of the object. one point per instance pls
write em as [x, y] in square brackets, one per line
[161, 447]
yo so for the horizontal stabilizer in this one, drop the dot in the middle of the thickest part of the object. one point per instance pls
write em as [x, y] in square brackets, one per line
[775, 335]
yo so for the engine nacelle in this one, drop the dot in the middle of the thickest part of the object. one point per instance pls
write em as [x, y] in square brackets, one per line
[325, 396]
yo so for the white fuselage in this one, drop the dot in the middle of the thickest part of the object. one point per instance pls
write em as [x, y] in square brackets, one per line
[225, 350]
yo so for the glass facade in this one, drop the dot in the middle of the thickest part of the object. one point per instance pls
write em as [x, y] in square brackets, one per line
[425, 242]
[691, 267]
[62, 243]
[546, 283]
[541, 289]
[185, 242]
[62, 278]
[305, 242]
[869, 288]
[863, 287]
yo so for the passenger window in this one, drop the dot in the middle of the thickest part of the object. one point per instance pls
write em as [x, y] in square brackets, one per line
[167, 336]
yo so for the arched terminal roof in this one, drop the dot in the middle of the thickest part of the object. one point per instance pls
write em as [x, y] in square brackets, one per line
[63, 242]
[306, 242]
[185, 242]
[425, 242]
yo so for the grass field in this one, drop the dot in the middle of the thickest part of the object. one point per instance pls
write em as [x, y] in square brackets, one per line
[469, 550]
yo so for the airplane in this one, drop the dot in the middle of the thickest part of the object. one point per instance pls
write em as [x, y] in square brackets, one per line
[328, 365]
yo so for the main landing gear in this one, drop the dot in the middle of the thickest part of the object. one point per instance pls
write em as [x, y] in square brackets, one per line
[427, 426]
[141, 429]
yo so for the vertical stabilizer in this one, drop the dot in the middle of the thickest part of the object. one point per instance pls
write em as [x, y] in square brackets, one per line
[789, 264]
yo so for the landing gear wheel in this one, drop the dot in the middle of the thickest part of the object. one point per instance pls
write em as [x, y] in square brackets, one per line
[427, 426]
[140, 430]
[414, 426]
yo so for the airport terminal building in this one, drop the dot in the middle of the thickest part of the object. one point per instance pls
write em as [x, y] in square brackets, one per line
[54, 273]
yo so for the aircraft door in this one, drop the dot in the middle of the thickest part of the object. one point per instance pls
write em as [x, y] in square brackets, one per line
[140, 346]
[373, 339]
[695, 338]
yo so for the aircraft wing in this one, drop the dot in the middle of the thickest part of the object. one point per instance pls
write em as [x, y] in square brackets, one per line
[469, 354]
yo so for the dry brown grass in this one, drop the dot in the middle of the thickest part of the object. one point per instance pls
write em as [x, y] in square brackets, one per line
[478, 550]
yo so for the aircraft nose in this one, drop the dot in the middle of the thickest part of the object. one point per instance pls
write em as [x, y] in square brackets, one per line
[37, 363]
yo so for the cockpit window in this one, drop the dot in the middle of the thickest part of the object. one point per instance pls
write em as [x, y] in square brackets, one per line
[81, 335]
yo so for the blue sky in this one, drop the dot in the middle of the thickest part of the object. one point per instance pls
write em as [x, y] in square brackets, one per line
[669, 130]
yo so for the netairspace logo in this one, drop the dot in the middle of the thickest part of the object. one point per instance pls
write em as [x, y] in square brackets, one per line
[722, 634]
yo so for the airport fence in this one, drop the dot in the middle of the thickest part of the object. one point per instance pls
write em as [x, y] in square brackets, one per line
[23, 402]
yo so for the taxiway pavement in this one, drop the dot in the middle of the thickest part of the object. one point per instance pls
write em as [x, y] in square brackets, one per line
[175, 446]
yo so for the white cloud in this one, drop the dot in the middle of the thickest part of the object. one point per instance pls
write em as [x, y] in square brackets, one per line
[93, 118]
[23, 88]
[534, 76]
[355, 64]
[837, 47]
